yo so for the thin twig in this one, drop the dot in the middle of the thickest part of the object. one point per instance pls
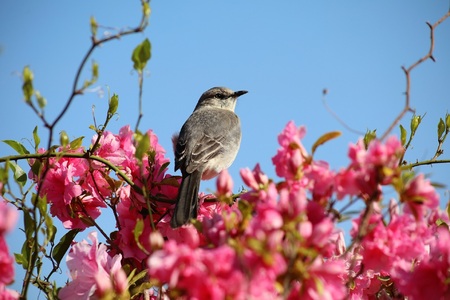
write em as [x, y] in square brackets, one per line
[407, 71]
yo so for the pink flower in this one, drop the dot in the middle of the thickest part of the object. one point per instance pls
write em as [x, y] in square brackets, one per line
[6, 294]
[109, 148]
[8, 217]
[224, 184]
[324, 281]
[6, 263]
[291, 155]
[59, 184]
[428, 279]
[198, 273]
[255, 179]
[129, 216]
[321, 180]
[369, 168]
[400, 243]
[419, 195]
[93, 271]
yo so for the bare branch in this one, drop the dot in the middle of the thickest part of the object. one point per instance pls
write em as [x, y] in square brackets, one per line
[407, 71]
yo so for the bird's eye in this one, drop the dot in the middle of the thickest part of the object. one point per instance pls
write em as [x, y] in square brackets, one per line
[219, 95]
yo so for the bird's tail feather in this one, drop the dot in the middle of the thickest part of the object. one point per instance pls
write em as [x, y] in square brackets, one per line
[187, 200]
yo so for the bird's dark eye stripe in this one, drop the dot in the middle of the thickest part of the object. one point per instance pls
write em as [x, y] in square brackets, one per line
[219, 95]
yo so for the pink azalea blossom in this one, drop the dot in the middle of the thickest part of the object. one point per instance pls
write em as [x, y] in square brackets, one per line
[369, 168]
[8, 218]
[291, 155]
[224, 184]
[93, 271]
[428, 279]
[198, 273]
[419, 196]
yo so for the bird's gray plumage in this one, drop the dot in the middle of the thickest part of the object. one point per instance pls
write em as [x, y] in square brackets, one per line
[207, 144]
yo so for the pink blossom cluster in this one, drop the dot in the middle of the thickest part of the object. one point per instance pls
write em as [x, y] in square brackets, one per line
[8, 218]
[94, 273]
[277, 240]
[78, 188]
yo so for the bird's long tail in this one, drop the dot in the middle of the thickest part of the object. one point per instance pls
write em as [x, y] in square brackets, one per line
[187, 200]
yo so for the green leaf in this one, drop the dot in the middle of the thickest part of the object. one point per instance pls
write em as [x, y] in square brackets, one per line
[63, 139]
[137, 232]
[415, 122]
[440, 128]
[42, 205]
[369, 136]
[17, 146]
[94, 26]
[36, 138]
[325, 138]
[76, 143]
[113, 104]
[142, 147]
[403, 134]
[141, 55]
[94, 72]
[50, 228]
[146, 9]
[61, 248]
[25, 252]
[27, 86]
[19, 174]
[19, 258]
[42, 102]
[29, 224]
[132, 279]
[447, 121]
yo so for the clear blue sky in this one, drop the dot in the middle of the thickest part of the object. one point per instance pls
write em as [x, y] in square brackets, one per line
[284, 53]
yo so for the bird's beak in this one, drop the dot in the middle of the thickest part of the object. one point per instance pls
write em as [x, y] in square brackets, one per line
[240, 93]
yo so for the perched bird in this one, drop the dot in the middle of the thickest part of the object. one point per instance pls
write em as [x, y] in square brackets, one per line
[207, 144]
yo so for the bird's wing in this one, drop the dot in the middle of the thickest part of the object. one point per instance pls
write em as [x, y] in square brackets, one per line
[205, 149]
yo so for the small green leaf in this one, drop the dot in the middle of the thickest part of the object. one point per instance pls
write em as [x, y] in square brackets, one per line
[447, 121]
[42, 205]
[27, 86]
[403, 134]
[61, 248]
[19, 174]
[42, 102]
[132, 279]
[94, 72]
[94, 26]
[29, 224]
[142, 147]
[325, 138]
[141, 54]
[50, 228]
[369, 136]
[36, 138]
[146, 9]
[76, 143]
[137, 232]
[19, 258]
[415, 122]
[17, 146]
[113, 104]
[36, 167]
[440, 128]
[63, 139]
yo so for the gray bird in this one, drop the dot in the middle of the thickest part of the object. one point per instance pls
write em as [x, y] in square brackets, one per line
[207, 144]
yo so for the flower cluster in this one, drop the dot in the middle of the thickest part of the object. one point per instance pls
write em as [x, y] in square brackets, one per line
[278, 240]
[94, 273]
[8, 217]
